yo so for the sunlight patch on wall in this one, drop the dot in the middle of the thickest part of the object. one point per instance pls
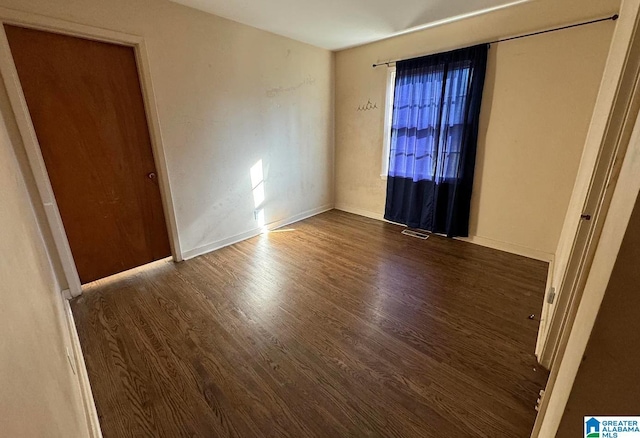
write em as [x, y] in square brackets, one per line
[257, 188]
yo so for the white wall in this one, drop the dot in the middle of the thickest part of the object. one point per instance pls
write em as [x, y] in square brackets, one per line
[39, 394]
[228, 95]
[538, 99]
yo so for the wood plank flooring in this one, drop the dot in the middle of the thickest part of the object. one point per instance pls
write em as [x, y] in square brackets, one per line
[336, 326]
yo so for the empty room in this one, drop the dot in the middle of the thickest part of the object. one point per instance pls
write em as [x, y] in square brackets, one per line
[319, 219]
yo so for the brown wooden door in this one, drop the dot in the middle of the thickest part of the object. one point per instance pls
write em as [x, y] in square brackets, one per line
[86, 104]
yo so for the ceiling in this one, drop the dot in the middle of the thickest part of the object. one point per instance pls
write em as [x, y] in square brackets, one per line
[339, 24]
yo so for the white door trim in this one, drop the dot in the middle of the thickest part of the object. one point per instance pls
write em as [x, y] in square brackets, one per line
[32, 147]
[624, 115]
[611, 126]
[615, 225]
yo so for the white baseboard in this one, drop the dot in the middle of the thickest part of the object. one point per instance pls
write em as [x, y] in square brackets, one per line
[509, 247]
[88, 404]
[186, 255]
[360, 212]
[478, 240]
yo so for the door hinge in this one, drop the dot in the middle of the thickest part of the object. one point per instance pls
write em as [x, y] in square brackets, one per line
[586, 217]
[551, 296]
[539, 401]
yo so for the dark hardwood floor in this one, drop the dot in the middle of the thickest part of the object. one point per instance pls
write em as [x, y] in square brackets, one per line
[336, 326]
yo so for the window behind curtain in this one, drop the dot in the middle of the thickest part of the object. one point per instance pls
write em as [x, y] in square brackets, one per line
[418, 112]
[434, 133]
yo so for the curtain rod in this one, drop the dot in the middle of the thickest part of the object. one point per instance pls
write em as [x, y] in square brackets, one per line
[614, 17]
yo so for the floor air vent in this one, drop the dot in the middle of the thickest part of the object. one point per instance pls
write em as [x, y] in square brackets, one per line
[418, 234]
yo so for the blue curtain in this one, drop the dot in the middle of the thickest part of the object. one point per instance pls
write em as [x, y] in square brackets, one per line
[436, 109]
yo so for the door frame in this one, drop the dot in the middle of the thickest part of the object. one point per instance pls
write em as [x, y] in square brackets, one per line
[565, 369]
[30, 140]
[609, 133]
[621, 125]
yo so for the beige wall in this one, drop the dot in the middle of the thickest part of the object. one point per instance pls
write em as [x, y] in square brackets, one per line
[608, 381]
[228, 95]
[38, 391]
[538, 99]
